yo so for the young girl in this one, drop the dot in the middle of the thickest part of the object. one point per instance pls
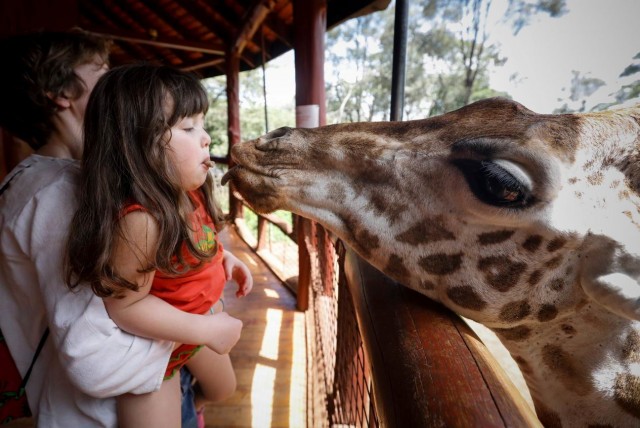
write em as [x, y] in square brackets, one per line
[144, 235]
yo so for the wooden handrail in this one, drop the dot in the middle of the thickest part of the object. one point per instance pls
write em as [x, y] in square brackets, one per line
[428, 367]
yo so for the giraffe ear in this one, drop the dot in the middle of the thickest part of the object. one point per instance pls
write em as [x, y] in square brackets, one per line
[610, 276]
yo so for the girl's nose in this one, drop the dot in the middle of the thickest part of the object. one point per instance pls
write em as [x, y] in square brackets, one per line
[206, 139]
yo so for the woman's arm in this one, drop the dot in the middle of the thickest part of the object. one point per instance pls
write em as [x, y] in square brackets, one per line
[145, 315]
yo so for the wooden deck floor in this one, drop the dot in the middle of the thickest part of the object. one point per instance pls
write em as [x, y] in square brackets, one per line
[269, 359]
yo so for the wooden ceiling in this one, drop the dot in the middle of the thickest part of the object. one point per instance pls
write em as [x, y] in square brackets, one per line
[190, 34]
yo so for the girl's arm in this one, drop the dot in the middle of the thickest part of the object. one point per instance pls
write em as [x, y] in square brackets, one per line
[145, 315]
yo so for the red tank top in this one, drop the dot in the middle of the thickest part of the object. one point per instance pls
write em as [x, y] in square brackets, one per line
[198, 289]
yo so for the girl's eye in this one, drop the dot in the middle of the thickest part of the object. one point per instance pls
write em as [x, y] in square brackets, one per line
[493, 184]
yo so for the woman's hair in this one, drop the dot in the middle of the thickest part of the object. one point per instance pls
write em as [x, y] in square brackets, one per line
[125, 160]
[37, 67]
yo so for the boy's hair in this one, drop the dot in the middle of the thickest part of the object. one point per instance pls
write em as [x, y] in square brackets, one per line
[128, 117]
[36, 68]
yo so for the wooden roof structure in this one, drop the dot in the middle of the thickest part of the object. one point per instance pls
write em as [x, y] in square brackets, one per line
[195, 35]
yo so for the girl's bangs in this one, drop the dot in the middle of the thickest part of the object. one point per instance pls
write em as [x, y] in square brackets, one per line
[192, 96]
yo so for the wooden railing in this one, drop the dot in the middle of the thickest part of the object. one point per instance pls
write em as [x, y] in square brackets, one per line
[427, 367]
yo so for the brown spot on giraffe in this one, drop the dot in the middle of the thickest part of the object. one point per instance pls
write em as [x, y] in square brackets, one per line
[501, 272]
[367, 241]
[425, 284]
[631, 348]
[441, 264]
[523, 364]
[547, 312]
[556, 243]
[614, 184]
[573, 180]
[557, 284]
[497, 237]
[431, 230]
[515, 311]
[563, 365]
[535, 277]
[532, 243]
[466, 297]
[548, 418]
[517, 334]
[627, 393]
[553, 263]
[596, 178]
[396, 268]
[624, 195]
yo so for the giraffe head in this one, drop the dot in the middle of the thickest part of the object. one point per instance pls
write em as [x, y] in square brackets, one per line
[527, 223]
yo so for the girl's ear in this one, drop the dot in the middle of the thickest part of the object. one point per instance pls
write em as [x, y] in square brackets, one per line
[60, 100]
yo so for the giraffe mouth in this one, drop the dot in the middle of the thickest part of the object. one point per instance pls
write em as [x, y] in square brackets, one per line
[254, 187]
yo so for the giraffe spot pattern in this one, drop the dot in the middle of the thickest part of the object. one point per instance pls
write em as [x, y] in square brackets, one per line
[523, 364]
[535, 277]
[396, 268]
[557, 284]
[547, 312]
[516, 334]
[501, 272]
[626, 393]
[425, 232]
[441, 264]
[631, 348]
[515, 311]
[573, 180]
[562, 364]
[425, 284]
[555, 244]
[548, 418]
[497, 237]
[554, 262]
[596, 178]
[466, 297]
[532, 243]
[367, 241]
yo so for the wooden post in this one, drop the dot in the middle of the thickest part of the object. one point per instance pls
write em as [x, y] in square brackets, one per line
[310, 24]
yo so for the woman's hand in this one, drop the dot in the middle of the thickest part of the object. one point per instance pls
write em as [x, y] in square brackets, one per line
[236, 271]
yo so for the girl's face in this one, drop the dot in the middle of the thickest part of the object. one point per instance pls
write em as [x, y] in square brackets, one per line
[189, 151]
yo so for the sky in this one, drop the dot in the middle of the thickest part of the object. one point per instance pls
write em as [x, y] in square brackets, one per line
[598, 38]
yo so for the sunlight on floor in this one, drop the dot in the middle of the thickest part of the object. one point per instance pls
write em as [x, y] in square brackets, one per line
[262, 390]
[270, 340]
[298, 394]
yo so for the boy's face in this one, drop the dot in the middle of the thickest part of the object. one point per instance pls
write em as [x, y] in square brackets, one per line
[89, 73]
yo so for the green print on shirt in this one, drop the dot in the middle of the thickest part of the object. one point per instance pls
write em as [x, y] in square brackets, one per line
[207, 243]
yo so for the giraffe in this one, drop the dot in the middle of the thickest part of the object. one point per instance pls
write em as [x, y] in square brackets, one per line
[524, 222]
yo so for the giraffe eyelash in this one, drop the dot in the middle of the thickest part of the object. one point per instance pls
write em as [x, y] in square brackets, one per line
[494, 185]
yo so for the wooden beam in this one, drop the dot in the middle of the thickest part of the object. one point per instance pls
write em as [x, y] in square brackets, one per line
[255, 16]
[203, 64]
[165, 42]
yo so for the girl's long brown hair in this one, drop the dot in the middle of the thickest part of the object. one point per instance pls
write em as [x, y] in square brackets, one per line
[128, 117]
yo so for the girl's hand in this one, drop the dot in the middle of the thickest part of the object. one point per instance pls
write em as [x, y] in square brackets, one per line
[236, 271]
[225, 332]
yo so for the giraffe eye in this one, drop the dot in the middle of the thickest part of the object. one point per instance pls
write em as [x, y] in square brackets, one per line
[493, 184]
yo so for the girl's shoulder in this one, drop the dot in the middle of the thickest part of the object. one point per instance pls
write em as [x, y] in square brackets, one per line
[138, 226]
